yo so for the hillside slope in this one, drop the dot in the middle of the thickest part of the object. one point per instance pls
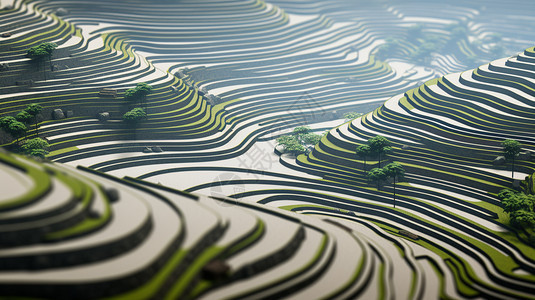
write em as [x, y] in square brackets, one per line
[69, 232]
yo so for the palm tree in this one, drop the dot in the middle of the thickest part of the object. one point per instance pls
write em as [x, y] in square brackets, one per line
[42, 52]
[377, 175]
[140, 92]
[133, 117]
[34, 109]
[379, 145]
[17, 129]
[396, 171]
[511, 148]
[363, 151]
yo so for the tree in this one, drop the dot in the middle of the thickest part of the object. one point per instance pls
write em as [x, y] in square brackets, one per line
[396, 171]
[523, 218]
[5, 121]
[42, 52]
[310, 138]
[377, 175]
[300, 141]
[36, 147]
[130, 94]
[140, 92]
[379, 145]
[143, 89]
[363, 151]
[135, 115]
[506, 193]
[24, 117]
[389, 48]
[34, 110]
[17, 129]
[291, 144]
[301, 130]
[511, 148]
[520, 208]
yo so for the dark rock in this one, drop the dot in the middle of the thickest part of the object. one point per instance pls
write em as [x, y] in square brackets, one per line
[103, 116]
[215, 270]
[498, 161]
[70, 114]
[5, 34]
[28, 82]
[157, 149]
[112, 194]
[4, 67]
[61, 12]
[57, 114]
[147, 150]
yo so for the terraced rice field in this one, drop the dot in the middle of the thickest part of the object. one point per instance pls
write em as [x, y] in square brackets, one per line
[229, 77]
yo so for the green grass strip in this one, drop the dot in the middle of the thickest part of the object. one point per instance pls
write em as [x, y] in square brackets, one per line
[62, 151]
[40, 178]
[85, 226]
[149, 289]
[193, 269]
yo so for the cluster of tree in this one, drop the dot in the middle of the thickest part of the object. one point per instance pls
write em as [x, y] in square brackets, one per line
[352, 115]
[424, 51]
[17, 126]
[41, 53]
[36, 147]
[389, 48]
[521, 210]
[425, 45]
[376, 147]
[140, 92]
[392, 170]
[300, 141]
